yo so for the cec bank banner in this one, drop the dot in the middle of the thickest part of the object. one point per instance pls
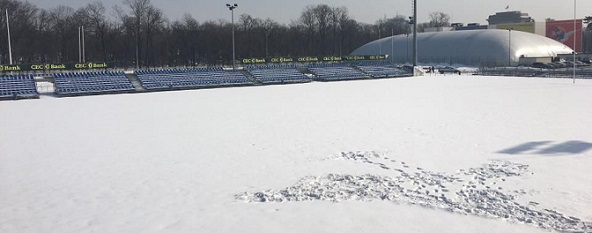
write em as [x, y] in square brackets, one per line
[56, 67]
[311, 59]
[564, 32]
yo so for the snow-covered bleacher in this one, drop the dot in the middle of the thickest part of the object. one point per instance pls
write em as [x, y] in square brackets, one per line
[382, 70]
[167, 79]
[335, 71]
[278, 74]
[97, 82]
[18, 87]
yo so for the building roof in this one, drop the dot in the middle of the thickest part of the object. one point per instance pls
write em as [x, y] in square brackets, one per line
[509, 17]
[492, 47]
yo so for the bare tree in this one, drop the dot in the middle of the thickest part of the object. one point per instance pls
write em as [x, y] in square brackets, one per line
[339, 17]
[139, 9]
[269, 26]
[62, 23]
[308, 22]
[98, 25]
[192, 27]
[140, 34]
[249, 26]
[439, 19]
[322, 14]
[154, 22]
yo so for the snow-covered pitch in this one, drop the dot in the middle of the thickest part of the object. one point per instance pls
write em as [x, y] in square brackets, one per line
[425, 154]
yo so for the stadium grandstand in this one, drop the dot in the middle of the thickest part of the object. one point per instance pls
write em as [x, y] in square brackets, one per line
[278, 74]
[18, 87]
[79, 83]
[89, 83]
[381, 69]
[171, 79]
[336, 72]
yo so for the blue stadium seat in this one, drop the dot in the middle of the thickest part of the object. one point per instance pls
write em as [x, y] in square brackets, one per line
[382, 69]
[278, 74]
[86, 83]
[18, 87]
[335, 71]
[191, 78]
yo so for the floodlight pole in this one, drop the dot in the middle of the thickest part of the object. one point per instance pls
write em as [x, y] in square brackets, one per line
[231, 8]
[9, 45]
[414, 33]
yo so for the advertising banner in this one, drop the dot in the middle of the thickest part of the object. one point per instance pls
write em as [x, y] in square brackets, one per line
[251, 61]
[53, 67]
[564, 32]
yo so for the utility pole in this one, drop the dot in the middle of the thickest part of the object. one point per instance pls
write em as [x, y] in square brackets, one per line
[414, 33]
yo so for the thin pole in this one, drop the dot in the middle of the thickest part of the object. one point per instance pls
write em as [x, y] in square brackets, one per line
[83, 46]
[509, 47]
[379, 37]
[79, 45]
[137, 56]
[414, 33]
[9, 44]
[575, 46]
[407, 57]
[392, 45]
[138, 43]
[233, 47]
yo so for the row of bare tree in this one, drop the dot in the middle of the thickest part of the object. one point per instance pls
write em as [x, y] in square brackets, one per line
[138, 32]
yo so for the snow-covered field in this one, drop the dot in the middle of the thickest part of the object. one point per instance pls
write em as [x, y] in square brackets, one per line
[431, 154]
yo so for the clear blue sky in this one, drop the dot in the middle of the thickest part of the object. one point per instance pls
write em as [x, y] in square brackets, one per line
[368, 11]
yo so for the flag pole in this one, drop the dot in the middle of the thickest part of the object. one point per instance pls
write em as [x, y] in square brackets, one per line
[575, 42]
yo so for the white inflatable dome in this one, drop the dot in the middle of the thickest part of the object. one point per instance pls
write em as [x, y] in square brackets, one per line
[491, 47]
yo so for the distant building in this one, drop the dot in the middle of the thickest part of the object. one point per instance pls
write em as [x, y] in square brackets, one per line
[509, 17]
[539, 28]
[438, 29]
[470, 26]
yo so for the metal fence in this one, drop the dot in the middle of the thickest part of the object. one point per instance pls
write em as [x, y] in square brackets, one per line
[581, 73]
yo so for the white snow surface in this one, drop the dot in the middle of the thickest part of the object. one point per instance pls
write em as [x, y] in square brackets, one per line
[427, 154]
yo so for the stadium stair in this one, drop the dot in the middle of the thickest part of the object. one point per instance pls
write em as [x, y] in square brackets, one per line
[135, 81]
[366, 73]
[251, 77]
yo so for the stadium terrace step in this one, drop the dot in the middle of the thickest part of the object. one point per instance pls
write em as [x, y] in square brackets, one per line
[135, 81]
